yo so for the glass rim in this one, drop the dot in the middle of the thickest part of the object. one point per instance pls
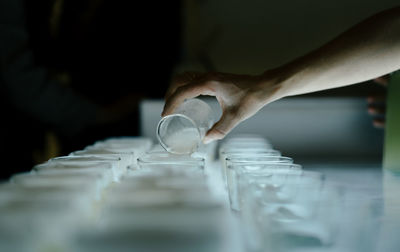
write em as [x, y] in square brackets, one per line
[107, 150]
[303, 174]
[241, 160]
[245, 145]
[96, 158]
[177, 164]
[147, 159]
[87, 165]
[272, 164]
[257, 149]
[163, 119]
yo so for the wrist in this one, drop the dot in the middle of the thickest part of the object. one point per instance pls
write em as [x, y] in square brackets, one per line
[272, 84]
[281, 82]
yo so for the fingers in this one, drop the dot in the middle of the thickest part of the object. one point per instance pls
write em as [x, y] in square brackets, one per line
[227, 122]
[186, 92]
[181, 80]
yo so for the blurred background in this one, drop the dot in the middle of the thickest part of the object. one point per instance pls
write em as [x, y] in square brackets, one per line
[108, 50]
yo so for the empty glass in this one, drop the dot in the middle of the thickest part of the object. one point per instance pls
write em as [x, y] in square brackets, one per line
[242, 166]
[244, 153]
[101, 169]
[278, 200]
[127, 158]
[170, 162]
[137, 143]
[114, 161]
[306, 222]
[57, 179]
[183, 131]
[134, 145]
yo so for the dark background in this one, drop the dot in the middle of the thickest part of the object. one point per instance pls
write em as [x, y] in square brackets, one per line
[107, 50]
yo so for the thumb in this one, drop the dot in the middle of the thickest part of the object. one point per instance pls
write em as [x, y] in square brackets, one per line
[219, 130]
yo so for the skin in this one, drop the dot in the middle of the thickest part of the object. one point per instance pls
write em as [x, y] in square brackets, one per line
[367, 51]
[377, 104]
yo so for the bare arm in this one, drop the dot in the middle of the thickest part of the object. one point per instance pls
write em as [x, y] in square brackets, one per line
[366, 51]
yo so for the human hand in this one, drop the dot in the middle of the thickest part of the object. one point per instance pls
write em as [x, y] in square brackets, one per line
[240, 96]
[377, 104]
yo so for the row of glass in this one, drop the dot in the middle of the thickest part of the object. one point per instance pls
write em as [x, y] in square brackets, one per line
[117, 194]
[126, 194]
[41, 208]
[282, 207]
[280, 204]
[162, 204]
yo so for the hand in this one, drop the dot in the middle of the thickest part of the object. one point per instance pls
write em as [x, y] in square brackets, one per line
[377, 104]
[240, 96]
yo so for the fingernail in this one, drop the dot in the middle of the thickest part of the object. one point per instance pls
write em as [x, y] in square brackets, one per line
[163, 112]
[207, 140]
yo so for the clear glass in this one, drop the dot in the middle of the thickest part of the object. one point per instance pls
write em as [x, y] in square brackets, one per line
[155, 181]
[263, 163]
[114, 161]
[302, 223]
[127, 158]
[244, 152]
[134, 145]
[102, 169]
[183, 131]
[281, 200]
[156, 148]
[244, 147]
[171, 163]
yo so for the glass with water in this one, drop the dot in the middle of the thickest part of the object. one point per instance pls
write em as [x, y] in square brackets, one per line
[183, 131]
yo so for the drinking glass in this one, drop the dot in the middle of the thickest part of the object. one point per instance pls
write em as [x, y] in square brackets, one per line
[243, 152]
[183, 131]
[281, 199]
[127, 157]
[171, 163]
[258, 165]
[114, 161]
[304, 222]
[101, 169]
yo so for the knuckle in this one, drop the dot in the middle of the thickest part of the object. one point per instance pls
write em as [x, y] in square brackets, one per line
[220, 133]
[181, 89]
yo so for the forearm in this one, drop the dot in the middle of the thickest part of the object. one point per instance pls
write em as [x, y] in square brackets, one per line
[366, 51]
